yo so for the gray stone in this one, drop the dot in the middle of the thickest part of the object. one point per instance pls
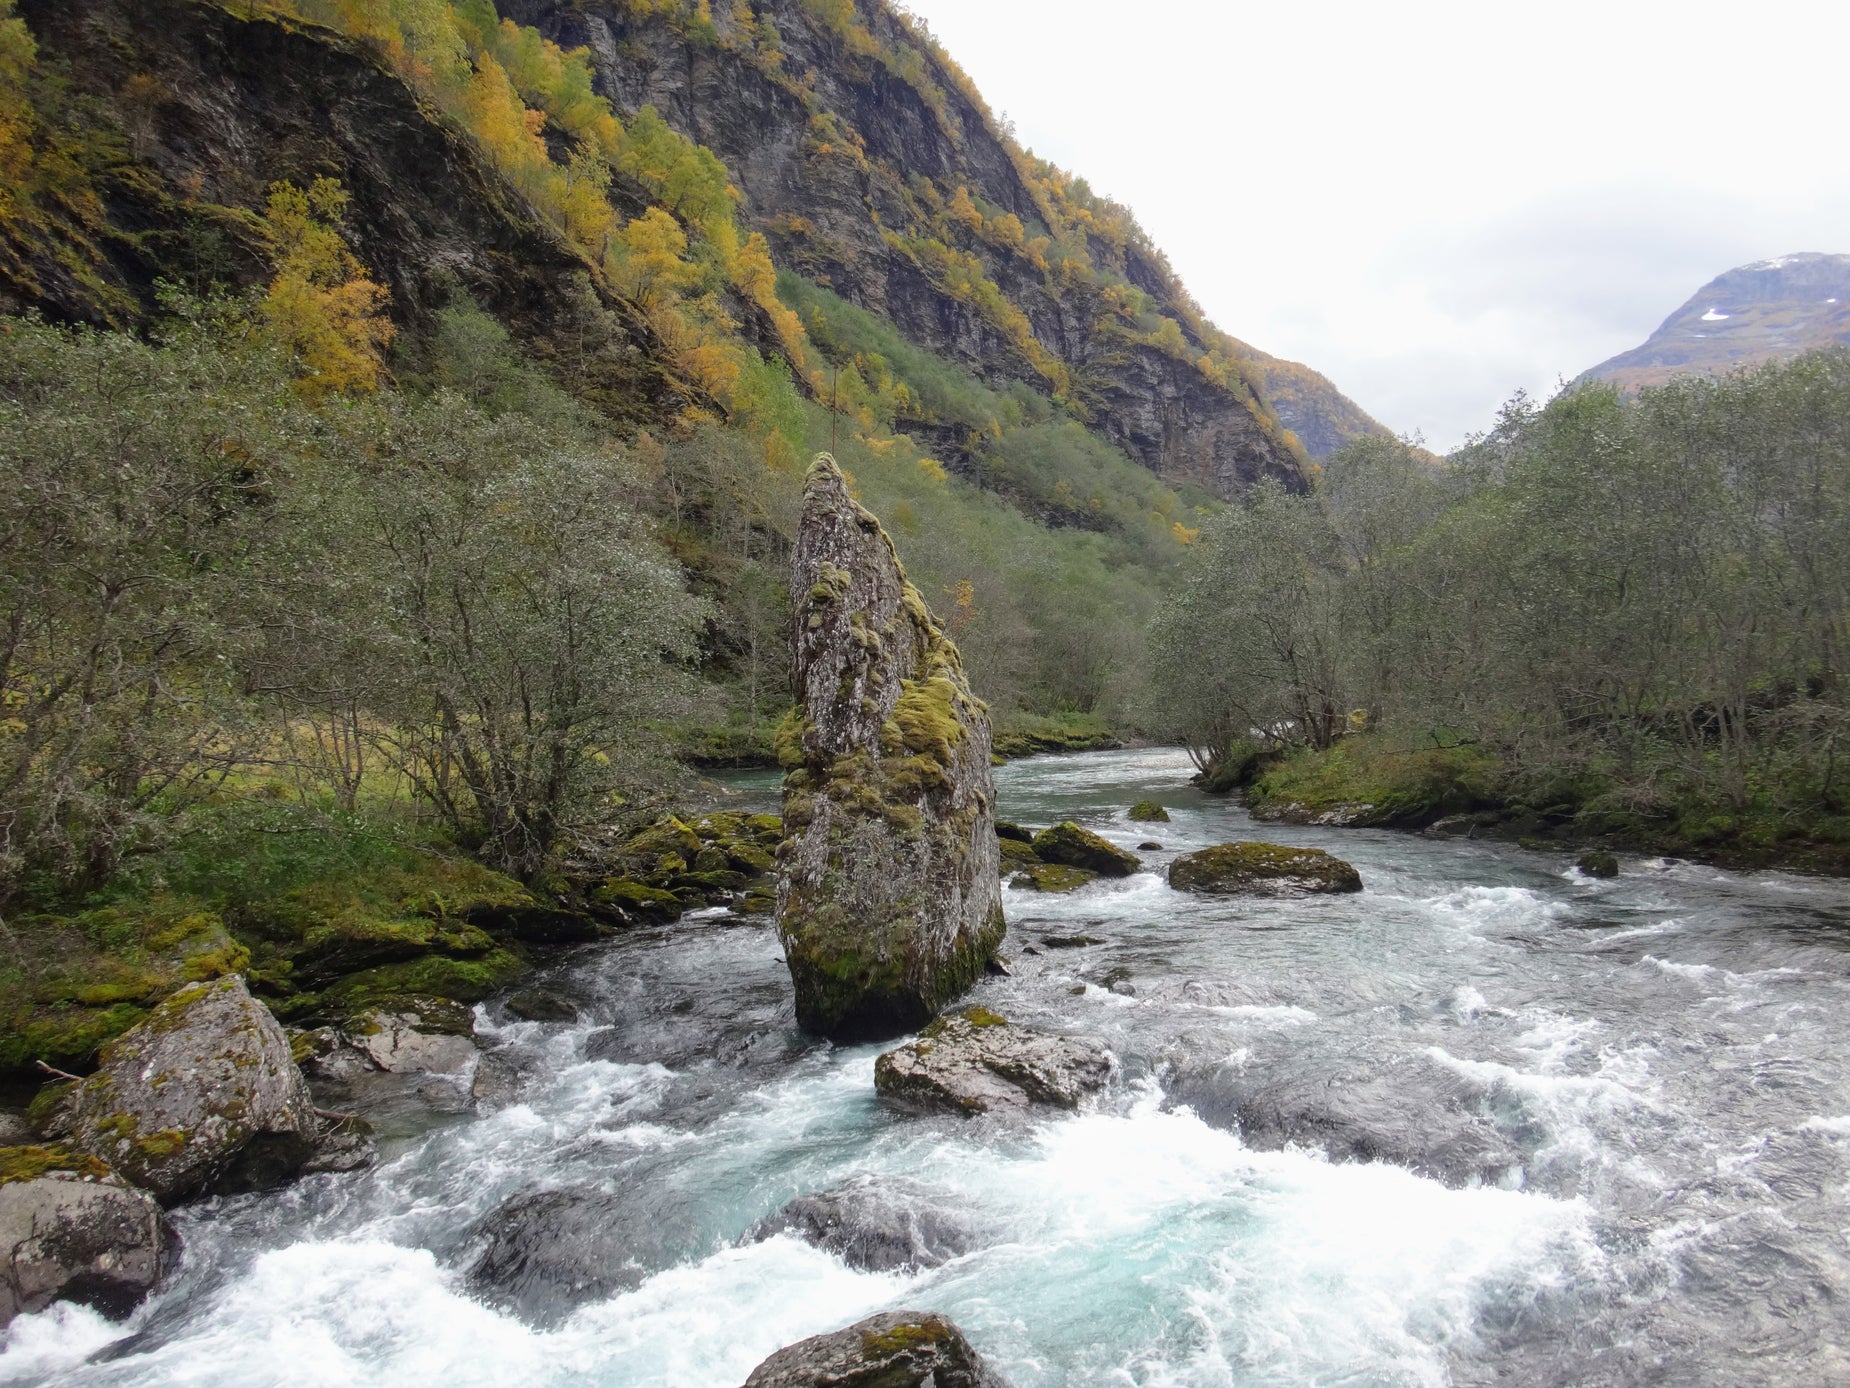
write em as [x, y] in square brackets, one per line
[77, 1235]
[550, 1250]
[394, 1042]
[888, 898]
[874, 1224]
[898, 1349]
[15, 1128]
[977, 1062]
[201, 1095]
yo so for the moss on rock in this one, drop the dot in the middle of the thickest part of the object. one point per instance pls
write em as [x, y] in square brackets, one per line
[1070, 845]
[1262, 869]
[1052, 877]
[1149, 812]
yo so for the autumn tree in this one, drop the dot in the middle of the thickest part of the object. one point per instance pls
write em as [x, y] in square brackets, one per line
[322, 309]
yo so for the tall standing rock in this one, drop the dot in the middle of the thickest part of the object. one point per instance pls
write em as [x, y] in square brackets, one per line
[888, 892]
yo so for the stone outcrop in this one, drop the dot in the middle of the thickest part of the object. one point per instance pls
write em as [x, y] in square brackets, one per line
[888, 892]
[873, 1224]
[547, 1251]
[1071, 846]
[899, 1349]
[71, 1230]
[1262, 869]
[975, 1062]
[202, 1095]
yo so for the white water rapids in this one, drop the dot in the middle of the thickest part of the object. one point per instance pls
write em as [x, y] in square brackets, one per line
[1584, 1133]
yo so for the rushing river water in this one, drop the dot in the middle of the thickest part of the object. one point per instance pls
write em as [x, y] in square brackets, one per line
[1583, 1133]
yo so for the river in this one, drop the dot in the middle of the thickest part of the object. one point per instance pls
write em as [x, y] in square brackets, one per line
[1584, 1132]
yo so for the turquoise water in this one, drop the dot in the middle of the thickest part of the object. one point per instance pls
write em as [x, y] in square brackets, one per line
[1583, 1132]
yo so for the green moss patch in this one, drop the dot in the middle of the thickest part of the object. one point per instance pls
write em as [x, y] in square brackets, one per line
[30, 1163]
[1149, 812]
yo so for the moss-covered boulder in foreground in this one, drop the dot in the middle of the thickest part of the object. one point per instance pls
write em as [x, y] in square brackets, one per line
[896, 1349]
[1072, 846]
[203, 1095]
[1262, 869]
[71, 1230]
[889, 891]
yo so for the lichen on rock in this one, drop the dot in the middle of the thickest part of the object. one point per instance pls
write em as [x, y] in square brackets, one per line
[204, 1094]
[1069, 845]
[976, 1061]
[888, 894]
[71, 1230]
[897, 1349]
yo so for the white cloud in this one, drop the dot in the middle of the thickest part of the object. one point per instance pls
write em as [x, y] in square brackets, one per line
[1435, 203]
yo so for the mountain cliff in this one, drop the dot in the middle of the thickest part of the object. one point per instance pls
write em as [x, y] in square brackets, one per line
[1308, 403]
[749, 156]
[1768, 311]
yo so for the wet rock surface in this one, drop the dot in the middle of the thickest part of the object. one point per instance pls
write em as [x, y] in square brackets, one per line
[899, 1349]
[975, 1062]
[202, 1095]
[547, 1251]
[1262, 869]
[889, 900]
[1052, 877]
[74, 1232]
[875, 1225]
[1069, 845]
[1412, 1114]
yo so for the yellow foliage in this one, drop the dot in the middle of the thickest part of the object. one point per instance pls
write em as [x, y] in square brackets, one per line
[321, 308]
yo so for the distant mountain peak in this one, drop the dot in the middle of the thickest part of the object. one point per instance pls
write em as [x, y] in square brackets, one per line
[1765, 311]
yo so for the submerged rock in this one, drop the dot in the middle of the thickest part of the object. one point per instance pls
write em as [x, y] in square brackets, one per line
[889, 893]
[550, 1250]
[1262, 869]
[873, 1224]
[1598, 864]
[1052, 877]
[202, 1095]
[1149, 846]
[1071, 846]
[898, 1349]
[975, 1061]
[71, 1230]
[1149, 812]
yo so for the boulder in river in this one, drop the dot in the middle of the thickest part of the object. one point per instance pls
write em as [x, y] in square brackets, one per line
[547, 1251]
[874, 1224]
[889, 896]
[897, 1349]
[1262, 869]
[975, 1061]
[1071, 846]
[1052, 877]
[1598, 863]
[1149, 812]
[202, 1095]
[71, 1230]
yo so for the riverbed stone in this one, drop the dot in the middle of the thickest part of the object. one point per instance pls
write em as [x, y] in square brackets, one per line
[545, 1251]
[71, 1230]
[875, 1224]
[889, 893]
[1052, 877]
[1598, 863]
[1149, 812]
[1072, 846]
[896, 1349]
[203, 1095]
[976, 1061]
[1262, 869]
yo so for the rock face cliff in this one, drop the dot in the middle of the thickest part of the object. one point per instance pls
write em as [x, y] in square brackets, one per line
[872, 167]
[1768, 311]
[888, 898]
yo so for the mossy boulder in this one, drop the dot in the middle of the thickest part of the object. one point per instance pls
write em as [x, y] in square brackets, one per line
[1071, 846]
[1262, 869]
[1598, 864]
[889, 891]
[637, 898]
[203, 1095]
[976, 1061]
[1015, 854]
[896, 1349]
[1149, 812]
[71, 1230]
[1008, 829]
[1052, 877]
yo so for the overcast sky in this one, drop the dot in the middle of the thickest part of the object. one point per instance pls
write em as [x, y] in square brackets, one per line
[1436, 203]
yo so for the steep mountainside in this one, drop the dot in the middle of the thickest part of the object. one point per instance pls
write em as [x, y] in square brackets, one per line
[855, 166]
[1768, 311]
[874, 169]
[1308, 403]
